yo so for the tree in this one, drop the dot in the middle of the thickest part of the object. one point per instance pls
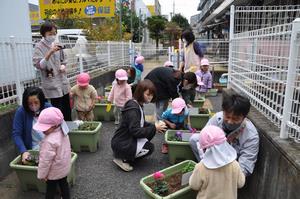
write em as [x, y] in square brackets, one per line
[173, 32]
[156, 26]
[129, 19]
[181, 21]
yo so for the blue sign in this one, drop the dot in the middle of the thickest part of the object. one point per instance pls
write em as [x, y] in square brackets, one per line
[90, 10]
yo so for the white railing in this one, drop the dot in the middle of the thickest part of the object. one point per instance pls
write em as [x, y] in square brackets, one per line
[18, 73]
[264, 64]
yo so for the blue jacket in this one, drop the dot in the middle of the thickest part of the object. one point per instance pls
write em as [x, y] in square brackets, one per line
[140, 67]
[22, 127]
[176, 119]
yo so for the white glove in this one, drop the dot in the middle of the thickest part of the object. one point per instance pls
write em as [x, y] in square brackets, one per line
[62, 68]
[78, 122]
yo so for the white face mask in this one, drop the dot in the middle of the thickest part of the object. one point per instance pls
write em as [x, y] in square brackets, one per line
[35, 109]
[50, 39]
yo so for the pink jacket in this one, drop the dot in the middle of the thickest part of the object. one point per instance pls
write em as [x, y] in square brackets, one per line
[55, 156]
[120, 94]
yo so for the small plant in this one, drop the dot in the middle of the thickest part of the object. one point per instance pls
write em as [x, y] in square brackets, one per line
[160, 187]
[177, 136]
[189, 167]
[87, 127]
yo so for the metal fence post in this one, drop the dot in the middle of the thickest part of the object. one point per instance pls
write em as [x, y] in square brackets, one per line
[130, 53]
[291, 77]
[108, 54]
[231, 38]
[179, 49]
[169, 53]
[123, 54]
[80, 58]
[15, 66]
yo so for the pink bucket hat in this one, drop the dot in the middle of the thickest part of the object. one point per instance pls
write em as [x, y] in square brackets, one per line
[168, 64]
[83, 79]
[139, 60]
[121, 74]
[210, 136]
[204, 62]
[48, 118]
[178, 105]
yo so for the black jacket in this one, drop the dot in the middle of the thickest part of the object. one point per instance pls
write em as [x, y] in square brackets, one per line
[165, 83]
[124, 141]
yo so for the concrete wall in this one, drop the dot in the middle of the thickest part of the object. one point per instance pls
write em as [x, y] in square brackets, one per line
[8, 150]
[277, 171]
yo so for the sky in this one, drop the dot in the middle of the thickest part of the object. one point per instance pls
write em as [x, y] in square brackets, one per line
[185, 7]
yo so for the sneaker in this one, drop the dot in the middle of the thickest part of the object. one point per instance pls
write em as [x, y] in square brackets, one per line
[123, 165]
[164, 148]
[116, 122]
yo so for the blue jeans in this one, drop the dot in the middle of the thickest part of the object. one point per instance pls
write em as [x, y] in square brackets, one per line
[161, 106]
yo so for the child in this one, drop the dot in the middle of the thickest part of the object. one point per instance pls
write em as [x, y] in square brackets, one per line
[139, 63]
[188, 91]
[205, 77]
[174, 117]
[169, 64]
[120, 93]
[55, 152]
[84, 96]
[218, 170]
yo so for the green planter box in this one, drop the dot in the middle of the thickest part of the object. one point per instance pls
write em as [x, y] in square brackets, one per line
[178, 150]
[198, 121]
[185, 193]
[28, 174]
[212, 92]
[100, 113]
[199, 103]
[85, 140]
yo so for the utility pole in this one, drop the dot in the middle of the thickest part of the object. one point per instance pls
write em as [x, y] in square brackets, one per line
[139, 25]
[121, 6]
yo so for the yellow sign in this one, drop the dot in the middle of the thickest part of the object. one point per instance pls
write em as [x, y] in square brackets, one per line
[80, 8]
[35, 18]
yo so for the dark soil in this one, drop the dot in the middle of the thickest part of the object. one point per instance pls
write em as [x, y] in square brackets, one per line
[203, 111]
[174, 183]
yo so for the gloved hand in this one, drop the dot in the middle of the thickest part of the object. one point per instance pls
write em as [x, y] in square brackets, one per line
[78, 122]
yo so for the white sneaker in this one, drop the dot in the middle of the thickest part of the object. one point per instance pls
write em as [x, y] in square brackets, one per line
[117, 122]
[123, 165]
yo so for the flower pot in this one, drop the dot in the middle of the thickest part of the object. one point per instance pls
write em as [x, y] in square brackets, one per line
[198, 103]
[28, 174]
[184, 193]
[108, 88]
[212, 92]
[83, 140]
[198, 120]
[178, 150]
[100, 113]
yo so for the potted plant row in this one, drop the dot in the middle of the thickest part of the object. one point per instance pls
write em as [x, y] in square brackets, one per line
[103, 111]
[199, 117]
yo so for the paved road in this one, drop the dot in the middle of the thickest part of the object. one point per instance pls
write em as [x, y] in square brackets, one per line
[98, 176]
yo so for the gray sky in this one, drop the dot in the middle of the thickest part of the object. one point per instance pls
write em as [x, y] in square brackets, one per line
[185, 7]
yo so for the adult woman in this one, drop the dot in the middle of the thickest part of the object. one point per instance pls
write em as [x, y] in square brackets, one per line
[132, 138]
[26, 116]
[192, 52]
[167, 82]
[49, 59]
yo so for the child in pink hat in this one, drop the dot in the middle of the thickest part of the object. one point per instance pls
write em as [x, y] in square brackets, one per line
[174, 117]
[84, 97]
[55, 152]
[120, 93]
[218, 175]
[204, 78]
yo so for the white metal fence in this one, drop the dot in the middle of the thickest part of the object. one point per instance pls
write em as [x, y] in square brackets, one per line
[18, 73]
[264, 64]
